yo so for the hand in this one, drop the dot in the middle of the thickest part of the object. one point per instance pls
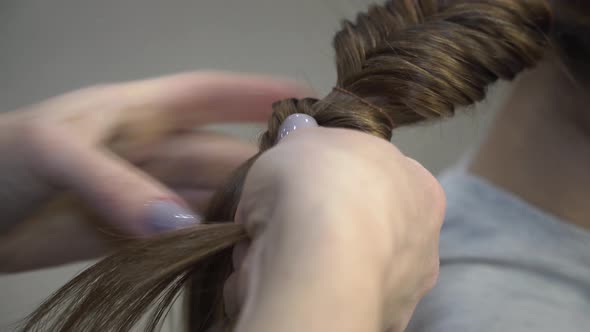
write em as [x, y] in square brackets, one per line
[344, 235]
[92, 143]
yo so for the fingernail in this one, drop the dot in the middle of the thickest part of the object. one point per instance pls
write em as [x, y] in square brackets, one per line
[294, 122]
[167, 215]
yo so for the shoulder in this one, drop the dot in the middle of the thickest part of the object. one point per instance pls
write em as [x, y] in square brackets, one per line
[505, 266]
[493, 297]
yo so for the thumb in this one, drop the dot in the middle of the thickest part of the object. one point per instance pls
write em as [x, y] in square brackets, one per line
[121, 194]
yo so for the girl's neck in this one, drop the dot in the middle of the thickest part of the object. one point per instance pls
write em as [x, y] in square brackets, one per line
[539, 146]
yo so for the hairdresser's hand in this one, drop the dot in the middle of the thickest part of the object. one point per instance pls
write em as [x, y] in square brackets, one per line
[344, 234]
[92, 143]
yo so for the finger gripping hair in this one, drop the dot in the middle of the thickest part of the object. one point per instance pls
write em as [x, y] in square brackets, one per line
[398, 64]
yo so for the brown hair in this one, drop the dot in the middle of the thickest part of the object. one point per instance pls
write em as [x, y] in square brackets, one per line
[571, 35]
[398, 64]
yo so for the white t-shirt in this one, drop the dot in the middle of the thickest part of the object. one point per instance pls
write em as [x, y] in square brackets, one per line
[505, 266]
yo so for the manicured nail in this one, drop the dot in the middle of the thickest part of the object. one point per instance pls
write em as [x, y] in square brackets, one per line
[167, 215]
[294, 122]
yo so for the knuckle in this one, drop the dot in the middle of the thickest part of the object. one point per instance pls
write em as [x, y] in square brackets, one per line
[435, 197]
[432, 276]
[430, 195]
[439, 202]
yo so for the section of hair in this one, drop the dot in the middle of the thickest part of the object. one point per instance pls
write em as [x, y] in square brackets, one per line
[440, 60]
[116, 292]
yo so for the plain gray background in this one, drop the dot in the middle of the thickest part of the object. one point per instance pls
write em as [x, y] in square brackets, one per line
[50, 47]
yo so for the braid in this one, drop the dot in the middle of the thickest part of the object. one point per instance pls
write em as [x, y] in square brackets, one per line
[398, 64]
[415, 60]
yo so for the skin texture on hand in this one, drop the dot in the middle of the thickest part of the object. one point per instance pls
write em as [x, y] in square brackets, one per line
[344, 235]
[124, 154]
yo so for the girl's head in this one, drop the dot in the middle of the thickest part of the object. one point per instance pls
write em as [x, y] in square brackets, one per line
[400, 63]
[571, 35]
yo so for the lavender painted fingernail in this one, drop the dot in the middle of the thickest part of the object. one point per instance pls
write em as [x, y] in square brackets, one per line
[167, 215]
[294, 122]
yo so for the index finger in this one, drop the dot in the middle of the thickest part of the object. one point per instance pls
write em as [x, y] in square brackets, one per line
[195, 99]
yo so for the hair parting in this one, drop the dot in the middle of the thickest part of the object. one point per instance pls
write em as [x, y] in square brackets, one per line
[400, 63]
